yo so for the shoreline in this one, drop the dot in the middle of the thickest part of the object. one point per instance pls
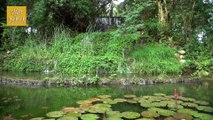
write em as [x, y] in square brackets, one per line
[72, 82]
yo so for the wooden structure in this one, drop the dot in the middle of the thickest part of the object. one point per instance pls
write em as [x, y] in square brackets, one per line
[104, 23]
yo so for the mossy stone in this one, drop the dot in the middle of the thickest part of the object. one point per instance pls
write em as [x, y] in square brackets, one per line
[89, 117]
[55, 114]
[149, 114]
[130, 115]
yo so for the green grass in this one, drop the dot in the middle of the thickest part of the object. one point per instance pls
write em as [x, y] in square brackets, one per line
[156, 59]
[92, 52]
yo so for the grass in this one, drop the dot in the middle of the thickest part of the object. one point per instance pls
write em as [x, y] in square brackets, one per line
[93, 52]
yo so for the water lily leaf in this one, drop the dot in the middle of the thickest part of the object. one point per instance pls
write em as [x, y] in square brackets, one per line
[69, 109]
[37, 118]
[189, 111]
[182, 116]
[119, 100]
[205, 109]
[162, 112]
[145, 119]
[130, 115]
[73, 114]
[113, 114]
[68, 118]
[89, 117]
[55, 114]
[159, 104]
[104, 96]
[204, 116]
[113, 118]
[202, 103]
[109, 101]
[132, 101]
[83, 102]
[189, 104]
[149, 114]
[160, 94]
[146, 105]
[130, 96]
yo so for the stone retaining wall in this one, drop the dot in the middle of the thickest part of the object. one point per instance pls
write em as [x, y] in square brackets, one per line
[86, 82]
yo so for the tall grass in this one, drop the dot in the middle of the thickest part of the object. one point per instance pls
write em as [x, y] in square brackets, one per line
[92, 52]
[156, 59]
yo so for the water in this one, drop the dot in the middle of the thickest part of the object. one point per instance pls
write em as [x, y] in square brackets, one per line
[38, 101]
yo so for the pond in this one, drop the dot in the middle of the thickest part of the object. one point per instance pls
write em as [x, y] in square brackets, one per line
[26, 103]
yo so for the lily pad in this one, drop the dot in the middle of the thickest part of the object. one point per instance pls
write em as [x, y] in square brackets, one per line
[160, 94]
[189, 104]
[203, 116]
[37, 118]
[113, 114]
[109, 101]
[69, 109]
[202, 103]
[83, 102]
[130, 115]
[205, 109]
[130, 96]
[149, 114]
[89, 117]
[182, 116]
[131, 101]
[162, 112]
[68, 118]
[73, 114]
[189, 111]
[113, 118]
[104, 96]
[55, 114]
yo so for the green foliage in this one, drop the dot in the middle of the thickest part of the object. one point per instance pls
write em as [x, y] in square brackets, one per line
[156, 59]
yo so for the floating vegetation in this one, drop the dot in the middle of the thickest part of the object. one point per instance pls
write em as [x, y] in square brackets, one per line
[158, 106]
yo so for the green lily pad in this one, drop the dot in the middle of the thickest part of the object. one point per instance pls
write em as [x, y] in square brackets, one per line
[190, 105]
[131, 101]
[37, 118]
[202, 103]
[55, 114]
[160, 94]
[172, 105]
[149, 114]
[73, 114]
[182, 116]
[205, 109]
[189, 111]
[68, 118]
[89, 117]
[113, 114]
[113, 118]
[145, 119]
[130, 96]
[130, 115]
[162, 112]
[159, 104]
[83, 102]
[203, 116]
[109, 101]
[104, 96]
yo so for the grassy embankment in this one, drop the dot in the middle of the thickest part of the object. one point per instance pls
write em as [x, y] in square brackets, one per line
[97, 52]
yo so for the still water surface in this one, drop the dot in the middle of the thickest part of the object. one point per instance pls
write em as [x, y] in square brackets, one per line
[33, 102]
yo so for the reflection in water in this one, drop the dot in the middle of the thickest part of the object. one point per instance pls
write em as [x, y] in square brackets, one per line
[34, 102]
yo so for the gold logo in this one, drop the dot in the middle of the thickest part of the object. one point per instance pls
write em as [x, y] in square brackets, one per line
[16, 16]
